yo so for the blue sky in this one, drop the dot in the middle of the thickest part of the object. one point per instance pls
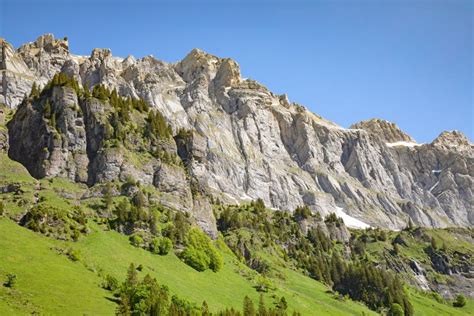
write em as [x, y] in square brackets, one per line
[410, 62]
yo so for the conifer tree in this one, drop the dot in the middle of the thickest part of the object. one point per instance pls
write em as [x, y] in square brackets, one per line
[262, 310]
[205, 309]
[249, 309]
[47, 110]
[132, 276]
[108, 195]
[34, 91]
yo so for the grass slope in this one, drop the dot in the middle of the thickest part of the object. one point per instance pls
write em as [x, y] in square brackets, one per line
[49, 283]
[428, 307]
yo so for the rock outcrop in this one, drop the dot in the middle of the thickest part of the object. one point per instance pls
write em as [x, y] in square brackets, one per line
[245, 142]
[50, 149]
[3, 130]
[386, 131]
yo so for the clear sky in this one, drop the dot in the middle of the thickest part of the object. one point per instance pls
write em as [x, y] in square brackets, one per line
[410, 62]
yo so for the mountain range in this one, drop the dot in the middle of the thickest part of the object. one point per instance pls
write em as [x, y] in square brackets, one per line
[229, 191]
[245, 142]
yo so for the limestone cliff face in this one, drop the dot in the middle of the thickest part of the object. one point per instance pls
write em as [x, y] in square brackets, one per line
[246, 142]
[48, 150]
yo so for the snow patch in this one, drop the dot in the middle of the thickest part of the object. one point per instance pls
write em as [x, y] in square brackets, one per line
[436, 171]
[117, 59]
[402, 143]
[246, 197]
[349, 220]
[79, 58]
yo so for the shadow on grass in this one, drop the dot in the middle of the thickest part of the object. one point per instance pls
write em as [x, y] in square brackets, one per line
[116, 300]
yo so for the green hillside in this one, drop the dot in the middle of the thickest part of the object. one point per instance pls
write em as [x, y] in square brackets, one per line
[51, 283]
[60, 241]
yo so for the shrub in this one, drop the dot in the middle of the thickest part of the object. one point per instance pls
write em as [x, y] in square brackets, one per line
[73, 254]
[258, 205]
[434, 244]
[164, 246]
[262, 284]
[2, 208]
[332, 218]
[437, 297]
[200, 253]
[196, 258]
[396, 310]
[460, 301]
[11, 280]
[110, 283]
[216, 259]
[302, 212]
[136, 240]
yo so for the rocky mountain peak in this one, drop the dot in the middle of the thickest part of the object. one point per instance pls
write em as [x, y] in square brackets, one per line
[453, 140]
[101, 53]
[387, 131]
[46, 43]
[199, 63]
[228, 74]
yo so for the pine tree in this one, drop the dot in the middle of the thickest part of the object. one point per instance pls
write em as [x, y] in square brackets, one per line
[249, 309]
[282, 305]
[122, 211]
[139, 200]
[108, 195]
[205, 309]
[108, 131]
[87, 93]
[262, 310]
[34, 91]
[132, 276]
[124, 308]
[47, 110]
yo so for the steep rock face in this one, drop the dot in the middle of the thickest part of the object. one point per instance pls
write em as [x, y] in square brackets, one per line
[59, 135]
[175, 189]
[51, 145]
[3, 130]
[248, 143]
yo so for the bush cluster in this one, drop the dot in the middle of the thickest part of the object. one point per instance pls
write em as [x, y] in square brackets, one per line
[200, 253]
